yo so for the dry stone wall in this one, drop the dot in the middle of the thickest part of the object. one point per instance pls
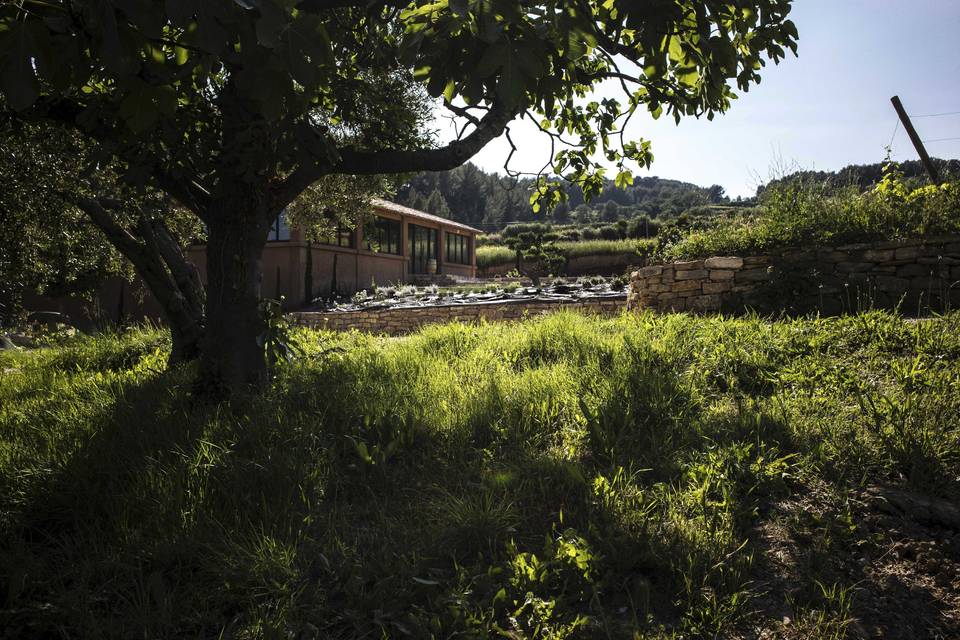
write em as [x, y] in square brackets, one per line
[401, 321]
[916, 276]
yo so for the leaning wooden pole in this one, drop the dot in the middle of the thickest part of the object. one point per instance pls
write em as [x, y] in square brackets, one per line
[915, 139]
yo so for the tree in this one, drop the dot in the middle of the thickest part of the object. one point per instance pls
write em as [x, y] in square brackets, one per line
[235, 107]
[611, 211]
[437, 204]
[716, 194]
[537, 254]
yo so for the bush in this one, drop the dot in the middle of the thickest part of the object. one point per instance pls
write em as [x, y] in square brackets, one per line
[610, 232]
[494, 255]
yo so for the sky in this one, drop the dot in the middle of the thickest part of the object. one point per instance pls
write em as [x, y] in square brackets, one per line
[824, 109]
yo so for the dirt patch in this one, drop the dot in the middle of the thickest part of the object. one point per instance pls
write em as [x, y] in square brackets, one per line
[831, 564]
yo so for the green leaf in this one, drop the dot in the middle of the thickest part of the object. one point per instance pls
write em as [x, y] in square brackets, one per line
[450, 90]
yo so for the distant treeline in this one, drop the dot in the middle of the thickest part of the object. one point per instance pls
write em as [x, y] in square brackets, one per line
[867, 175]
[490, 201]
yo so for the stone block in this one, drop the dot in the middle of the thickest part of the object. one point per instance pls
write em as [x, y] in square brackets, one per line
[912, 270]
[717, 287]
[878, 255]
[722, 274]
[891, 283]
[704, 303]
[720, 262]
[688, 265]
[924, 283]
[685, 285]
[849, 267]
[907, 253]
[649, 272]
[756, 274]
[757, 260]
[692, 274]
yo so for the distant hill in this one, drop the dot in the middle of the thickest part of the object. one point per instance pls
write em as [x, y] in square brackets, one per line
[866, 175]
[490, 201]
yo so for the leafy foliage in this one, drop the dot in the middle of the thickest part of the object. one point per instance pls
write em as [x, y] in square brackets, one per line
[803, 213]
[47, 244]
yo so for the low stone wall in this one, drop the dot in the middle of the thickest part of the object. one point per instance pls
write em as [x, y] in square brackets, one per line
[918, 276]
[406, 320]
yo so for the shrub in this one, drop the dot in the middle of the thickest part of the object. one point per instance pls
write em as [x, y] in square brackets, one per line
[610, 232]
[494, 255]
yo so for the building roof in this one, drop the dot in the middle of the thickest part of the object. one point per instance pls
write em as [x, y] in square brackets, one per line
[393, 207]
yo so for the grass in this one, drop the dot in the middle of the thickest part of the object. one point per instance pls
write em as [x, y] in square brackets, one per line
[493, 255]
[565, 477]
[804, 214]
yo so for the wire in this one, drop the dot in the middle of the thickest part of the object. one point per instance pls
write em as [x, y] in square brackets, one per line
[896, 127]
[936, 115]
[941, 139]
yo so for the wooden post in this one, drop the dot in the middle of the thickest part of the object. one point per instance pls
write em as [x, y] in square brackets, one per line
[915, 139]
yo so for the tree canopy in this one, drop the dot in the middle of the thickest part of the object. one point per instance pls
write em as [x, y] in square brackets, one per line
[235, 107]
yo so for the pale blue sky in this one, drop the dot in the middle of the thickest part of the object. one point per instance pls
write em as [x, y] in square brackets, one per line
[827, 108]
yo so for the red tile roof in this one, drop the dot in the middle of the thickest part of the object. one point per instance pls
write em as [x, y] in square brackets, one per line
[386, 205]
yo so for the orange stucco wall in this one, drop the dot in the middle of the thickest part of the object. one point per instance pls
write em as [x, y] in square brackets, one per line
[284, 264]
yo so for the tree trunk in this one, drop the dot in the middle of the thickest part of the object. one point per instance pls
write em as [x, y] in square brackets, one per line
[233, 357]
[172, 280]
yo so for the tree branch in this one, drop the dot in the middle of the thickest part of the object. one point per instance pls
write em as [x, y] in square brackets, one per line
[358, 162]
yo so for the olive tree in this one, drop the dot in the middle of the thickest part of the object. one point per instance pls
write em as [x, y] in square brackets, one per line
[235, 107]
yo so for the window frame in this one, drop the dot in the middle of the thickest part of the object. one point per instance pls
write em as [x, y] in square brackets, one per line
[457, 248]
[389, 236]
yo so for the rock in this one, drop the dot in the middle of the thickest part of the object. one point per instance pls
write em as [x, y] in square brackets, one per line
[688, 265]
[691, 274]
[722, 274]
[719, 262]
[6, 344]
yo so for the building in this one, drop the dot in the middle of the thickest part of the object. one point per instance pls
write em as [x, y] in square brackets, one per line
[407, 245]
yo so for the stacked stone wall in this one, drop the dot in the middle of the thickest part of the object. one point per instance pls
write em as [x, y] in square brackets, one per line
[406, 320]
[915, 276]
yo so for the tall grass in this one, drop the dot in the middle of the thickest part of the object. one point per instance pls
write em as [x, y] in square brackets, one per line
[493, 255]
[563, 477]
[803, 213]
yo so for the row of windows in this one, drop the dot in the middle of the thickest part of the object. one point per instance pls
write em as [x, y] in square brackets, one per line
[383, 236]
[458, 249]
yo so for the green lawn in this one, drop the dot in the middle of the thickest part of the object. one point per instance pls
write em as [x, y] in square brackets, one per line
[566, 477]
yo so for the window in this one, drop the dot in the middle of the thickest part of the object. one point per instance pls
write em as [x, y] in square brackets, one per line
[341, 237]
[384, 236]
[279, 230]
[458, 248]
[422, 247]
